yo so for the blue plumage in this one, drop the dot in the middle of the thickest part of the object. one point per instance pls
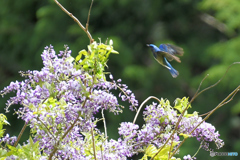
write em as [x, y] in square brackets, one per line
[166, 52]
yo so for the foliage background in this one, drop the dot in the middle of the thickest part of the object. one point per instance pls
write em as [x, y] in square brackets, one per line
[210, 45]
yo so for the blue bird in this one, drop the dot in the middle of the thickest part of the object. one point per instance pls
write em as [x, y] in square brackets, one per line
[167, 52]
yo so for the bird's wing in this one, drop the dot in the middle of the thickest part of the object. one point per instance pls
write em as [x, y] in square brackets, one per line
[170, 51]
[175, 50]
[169, 56]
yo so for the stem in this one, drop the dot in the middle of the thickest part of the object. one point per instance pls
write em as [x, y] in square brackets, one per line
[76, 20]
[124, 94]
[104, 124]
[139, 109]
[200, 146]
[225, 101]
[94, 152]
[216, 82]
[49, 132]
[101, 152]
[171, 147]
[20, 134]
[175, 129]
[196, 94]
[87, 24]
[69, 129]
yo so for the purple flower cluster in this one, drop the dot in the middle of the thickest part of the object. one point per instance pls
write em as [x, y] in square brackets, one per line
[126, 94]
[205, 132]
[8, 140]
[59, 103]
[160, 121]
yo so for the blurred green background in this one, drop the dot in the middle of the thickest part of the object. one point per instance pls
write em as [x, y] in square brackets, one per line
[208, 30]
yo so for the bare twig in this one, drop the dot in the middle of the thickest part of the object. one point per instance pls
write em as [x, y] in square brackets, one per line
[104, 123]
[20, 134]
[218, 80]
[65, 134]
[200, 146]
[124, 94]
[221, 104]
[196, 94]
[225, 101]
[49, 132]
[76, 20]
[87, 24]
[94, 152]
[139, 109]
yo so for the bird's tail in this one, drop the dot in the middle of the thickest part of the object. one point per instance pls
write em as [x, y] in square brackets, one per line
[173, 71]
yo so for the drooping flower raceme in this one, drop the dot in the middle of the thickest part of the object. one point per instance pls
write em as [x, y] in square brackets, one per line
[60, 101]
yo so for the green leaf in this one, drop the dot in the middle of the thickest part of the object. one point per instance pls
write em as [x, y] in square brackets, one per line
[3, 121]
[29, 151]
[181, 104]
[162, 155]
[185, 135]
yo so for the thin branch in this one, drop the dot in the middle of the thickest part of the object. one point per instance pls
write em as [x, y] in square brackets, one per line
[65, 134]
[87, 24]
[221, 105]
[20, 134]
[139, 109]
[101, 152]
[104, 124]
[218, 80]
[214, 85]
[196, 94]
[49, 132]
[94, 152]
[225, 101]
[76, 20]
[124, 94]
[200, 146]
[177, 124]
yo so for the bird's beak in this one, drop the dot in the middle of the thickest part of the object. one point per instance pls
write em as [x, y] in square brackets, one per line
[147, 45]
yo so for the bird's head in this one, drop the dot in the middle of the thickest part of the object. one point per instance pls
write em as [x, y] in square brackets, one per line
[153, 47]
[150, 45]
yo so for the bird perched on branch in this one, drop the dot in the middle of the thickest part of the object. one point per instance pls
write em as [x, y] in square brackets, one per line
[165, 53]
